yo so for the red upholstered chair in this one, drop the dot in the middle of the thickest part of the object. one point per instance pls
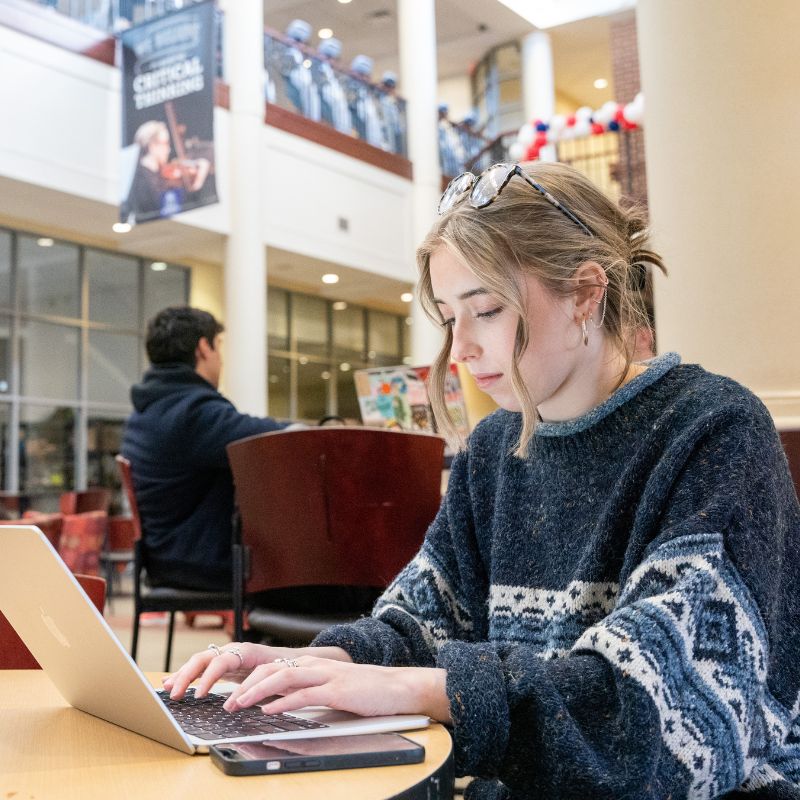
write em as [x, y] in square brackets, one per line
[160, 598]
[791, 444]
[96, 498]
[82, 537]
[13, 652]
[327, 507]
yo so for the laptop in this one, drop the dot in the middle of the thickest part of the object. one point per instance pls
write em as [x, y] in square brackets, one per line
[93, 671]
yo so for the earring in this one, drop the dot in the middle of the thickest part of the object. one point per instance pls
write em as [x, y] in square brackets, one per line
[604, 301]
[585, 332]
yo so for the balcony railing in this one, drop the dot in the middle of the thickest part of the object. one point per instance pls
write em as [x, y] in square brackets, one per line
[299, 80]
[112, 16]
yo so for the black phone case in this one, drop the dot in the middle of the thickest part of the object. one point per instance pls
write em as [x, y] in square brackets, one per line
[231, 765]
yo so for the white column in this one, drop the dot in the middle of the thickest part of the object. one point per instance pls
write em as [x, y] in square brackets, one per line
[245, 368]
[722, 172]
[538, 83]
[417, 32]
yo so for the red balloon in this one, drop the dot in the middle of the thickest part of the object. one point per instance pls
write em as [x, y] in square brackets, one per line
[540, 140]
[619, 114]
[597, 127]
[629, 126]
[570, 120]
[532, 153]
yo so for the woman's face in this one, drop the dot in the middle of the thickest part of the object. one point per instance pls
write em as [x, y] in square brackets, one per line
[484, 332]
[159, 147]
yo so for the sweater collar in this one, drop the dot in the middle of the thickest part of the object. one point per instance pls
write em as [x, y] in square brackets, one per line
[656, 368]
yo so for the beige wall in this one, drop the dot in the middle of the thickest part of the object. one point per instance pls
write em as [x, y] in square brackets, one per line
[207, 291]
[720, 79]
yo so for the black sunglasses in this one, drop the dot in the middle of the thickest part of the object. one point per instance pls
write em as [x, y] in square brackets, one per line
[483, 190]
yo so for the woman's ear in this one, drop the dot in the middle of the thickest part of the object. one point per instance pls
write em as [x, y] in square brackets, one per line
[590, 286]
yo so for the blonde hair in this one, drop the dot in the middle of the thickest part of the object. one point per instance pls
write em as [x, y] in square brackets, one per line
[148, 131]
[521, 232]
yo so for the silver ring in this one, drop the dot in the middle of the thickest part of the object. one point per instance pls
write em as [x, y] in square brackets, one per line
[215, 648]
[290, 662]
[237, 652]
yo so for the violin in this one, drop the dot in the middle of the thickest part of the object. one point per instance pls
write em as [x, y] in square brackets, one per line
[182, 172]
[179, 173]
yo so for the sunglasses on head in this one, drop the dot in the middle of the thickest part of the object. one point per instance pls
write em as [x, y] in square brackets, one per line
[482, 190]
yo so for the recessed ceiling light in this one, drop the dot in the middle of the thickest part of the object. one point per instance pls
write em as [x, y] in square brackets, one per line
[406, 297]
[601, 83]
[307, 63]
[45, 241]
[158, 266]
[339, 305]
[325, 375]
[121, 227]
[324, 33]
[303, 360]
[330, 277]
[409, 321]
[344, 366]
[344, 2]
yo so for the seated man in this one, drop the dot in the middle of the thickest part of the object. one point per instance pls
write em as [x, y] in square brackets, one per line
[175, 440]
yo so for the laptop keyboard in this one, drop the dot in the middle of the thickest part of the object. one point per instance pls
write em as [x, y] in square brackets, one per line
[205, 718]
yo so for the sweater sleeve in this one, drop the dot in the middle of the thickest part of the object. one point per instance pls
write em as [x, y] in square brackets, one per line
[680, 691]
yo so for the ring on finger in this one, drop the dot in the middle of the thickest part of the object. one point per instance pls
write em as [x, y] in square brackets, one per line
[289, 662]
[238, 653]
[216, 648]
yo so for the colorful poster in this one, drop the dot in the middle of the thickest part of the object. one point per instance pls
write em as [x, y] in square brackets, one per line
[397, 397]
[168, 71]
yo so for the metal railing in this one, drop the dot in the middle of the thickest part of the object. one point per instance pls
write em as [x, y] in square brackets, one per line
[113, 16]
[299, 80]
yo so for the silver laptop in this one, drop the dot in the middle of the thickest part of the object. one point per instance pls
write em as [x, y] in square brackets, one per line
[93, 671]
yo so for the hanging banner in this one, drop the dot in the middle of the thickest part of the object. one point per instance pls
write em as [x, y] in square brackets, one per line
[168, 70]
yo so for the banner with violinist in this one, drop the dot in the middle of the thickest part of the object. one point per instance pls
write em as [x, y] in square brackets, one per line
[168, 71]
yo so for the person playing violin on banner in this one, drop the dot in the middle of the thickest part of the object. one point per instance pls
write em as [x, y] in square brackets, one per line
[160, 185]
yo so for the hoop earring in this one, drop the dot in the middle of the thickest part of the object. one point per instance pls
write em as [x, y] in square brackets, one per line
[585, 332]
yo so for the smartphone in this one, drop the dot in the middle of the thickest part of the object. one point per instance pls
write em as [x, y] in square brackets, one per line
[310, 755]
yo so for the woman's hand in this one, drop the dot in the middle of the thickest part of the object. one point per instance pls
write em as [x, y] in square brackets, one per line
[307, 680]
[211, 665]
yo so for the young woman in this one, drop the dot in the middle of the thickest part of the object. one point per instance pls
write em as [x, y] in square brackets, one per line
[608, 603]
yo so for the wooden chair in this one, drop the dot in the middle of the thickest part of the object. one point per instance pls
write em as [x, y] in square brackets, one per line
[96, 498]
[160, 598]
[13, 652]
[117, 550]
[81, 541]
[327, 507]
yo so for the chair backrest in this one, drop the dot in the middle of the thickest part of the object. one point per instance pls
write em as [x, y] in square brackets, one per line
[334, 506]
[97, 498]
[13, 652]
[126, 477]
[49, 524]
[82, 538]
[791, 444]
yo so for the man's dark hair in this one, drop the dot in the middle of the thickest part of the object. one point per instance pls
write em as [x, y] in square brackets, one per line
[173, 334]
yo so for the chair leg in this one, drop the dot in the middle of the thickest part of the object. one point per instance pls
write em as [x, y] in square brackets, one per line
[135, 642]
[170, 631]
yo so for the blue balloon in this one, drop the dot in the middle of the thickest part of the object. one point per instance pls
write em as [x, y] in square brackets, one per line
[613, 125]
[542, 127]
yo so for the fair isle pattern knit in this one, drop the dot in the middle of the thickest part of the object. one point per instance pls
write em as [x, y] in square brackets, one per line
[619, 612]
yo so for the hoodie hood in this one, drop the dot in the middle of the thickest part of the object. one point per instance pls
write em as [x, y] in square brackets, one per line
[163, 380]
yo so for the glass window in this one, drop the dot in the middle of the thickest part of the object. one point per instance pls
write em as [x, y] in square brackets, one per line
[310, 324]
[5, 268]
[5, 416]
[48, 277]
[46, 449]
[384, 338]
[113, 289]
[278, 318]
[104, 439]
[48, 360]
[348, 332]
[278, 377]
[5, 356]
[312, 390]
[346, 397]
[164, 285]
[113, 366]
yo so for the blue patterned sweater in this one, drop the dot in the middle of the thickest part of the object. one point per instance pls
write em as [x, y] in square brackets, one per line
[619, 613]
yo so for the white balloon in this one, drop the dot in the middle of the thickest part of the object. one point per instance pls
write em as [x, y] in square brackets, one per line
[558, 123]
[526, 135]
[553, 135]
[583, 113]
[582, 128]
[633, 113]
[516, 151]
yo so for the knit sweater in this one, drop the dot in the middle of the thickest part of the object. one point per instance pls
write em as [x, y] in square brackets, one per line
[619, 612]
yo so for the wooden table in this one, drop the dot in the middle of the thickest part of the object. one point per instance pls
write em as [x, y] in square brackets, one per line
[50, 750]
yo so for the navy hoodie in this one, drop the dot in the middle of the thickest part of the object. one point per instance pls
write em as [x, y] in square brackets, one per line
[175, 440]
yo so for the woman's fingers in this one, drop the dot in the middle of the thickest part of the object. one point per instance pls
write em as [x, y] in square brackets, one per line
[276, 678]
